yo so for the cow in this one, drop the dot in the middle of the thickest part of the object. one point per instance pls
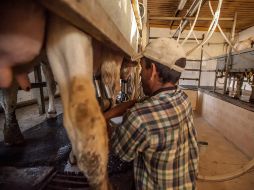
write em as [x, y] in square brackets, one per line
[245, 44]
[8, 100]
[70, 52]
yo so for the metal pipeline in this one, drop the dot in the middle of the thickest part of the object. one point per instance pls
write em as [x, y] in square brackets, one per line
[192, 10]
[107, 91]
[99, 94]
[97, 87]
[108, 96]
[252, 93]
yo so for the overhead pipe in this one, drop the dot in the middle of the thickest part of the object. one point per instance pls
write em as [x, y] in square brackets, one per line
[179, 8]
[192, 27]
[192, 10]
[211, 29]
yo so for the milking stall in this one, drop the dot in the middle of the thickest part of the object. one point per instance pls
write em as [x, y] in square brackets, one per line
[127, 94]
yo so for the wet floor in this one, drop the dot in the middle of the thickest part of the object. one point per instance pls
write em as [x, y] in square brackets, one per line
[45, 145]
[221, 156]
[45, 155]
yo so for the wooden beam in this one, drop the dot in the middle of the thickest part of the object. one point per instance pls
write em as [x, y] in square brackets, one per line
[229, 58]
[196, 79]
[92, 18]
[189, 18]
[176, 38]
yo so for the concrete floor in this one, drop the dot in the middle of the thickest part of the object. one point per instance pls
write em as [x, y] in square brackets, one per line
[29, 116]
[220, 157]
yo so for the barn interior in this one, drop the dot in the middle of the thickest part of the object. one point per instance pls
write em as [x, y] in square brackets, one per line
[218, 38]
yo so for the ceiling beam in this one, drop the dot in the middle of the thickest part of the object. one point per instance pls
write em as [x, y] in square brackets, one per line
[190, 12]
[176, 38]
[190, 18]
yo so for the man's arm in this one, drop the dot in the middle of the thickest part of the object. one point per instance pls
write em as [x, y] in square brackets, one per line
[118, 110]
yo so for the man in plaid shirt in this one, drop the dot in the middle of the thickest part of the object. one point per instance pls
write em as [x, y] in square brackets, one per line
[158, 134]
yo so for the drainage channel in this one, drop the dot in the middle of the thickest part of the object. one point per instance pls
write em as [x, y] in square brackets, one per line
[65, 180]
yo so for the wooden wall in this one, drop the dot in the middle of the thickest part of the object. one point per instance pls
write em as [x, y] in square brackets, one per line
[192, 94]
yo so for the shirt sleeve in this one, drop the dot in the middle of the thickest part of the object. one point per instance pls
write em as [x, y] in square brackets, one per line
[129, 138]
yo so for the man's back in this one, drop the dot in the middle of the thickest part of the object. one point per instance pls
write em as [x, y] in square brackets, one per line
[159, 136]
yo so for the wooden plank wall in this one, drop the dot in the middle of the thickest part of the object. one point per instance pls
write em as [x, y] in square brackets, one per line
[193, 96]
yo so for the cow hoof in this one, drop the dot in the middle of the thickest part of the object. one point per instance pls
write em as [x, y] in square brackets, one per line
[13, 135]
[72, 159]
[51, 114]
[16, 143]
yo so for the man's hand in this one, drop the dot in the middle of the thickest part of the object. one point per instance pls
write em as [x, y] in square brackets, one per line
[118, 110]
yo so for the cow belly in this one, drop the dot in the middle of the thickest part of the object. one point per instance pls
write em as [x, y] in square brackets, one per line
[22, 26]
[71, 58]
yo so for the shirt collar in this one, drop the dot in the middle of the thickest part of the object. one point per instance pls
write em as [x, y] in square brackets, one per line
[164, 89]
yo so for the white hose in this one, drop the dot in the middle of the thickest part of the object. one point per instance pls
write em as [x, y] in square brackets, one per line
[227, 40]
[180, 30]
[225, 177]
[222, 33]
[215, 23]
[194, 23]
[211, 29]
[194, 35]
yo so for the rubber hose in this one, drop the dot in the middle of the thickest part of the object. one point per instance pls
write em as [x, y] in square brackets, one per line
[229, 176]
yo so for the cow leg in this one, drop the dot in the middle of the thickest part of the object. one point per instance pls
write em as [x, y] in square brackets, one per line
[51, 86]
[12, 133]
[70, 56]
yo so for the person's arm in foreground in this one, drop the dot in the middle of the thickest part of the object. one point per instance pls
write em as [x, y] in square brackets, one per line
[118, 110]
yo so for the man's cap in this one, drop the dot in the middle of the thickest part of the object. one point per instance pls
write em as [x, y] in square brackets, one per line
[165, 51]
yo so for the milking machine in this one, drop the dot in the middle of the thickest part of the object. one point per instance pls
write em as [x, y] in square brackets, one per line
[103, 94]
[240, 72]
[123, 94]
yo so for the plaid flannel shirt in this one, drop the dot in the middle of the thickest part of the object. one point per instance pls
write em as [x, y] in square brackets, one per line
[159, 135]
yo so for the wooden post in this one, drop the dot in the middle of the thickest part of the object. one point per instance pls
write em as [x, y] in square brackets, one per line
[39, 91]
[233, 83]
[229, 61]
[215, 81]
[201, 61]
